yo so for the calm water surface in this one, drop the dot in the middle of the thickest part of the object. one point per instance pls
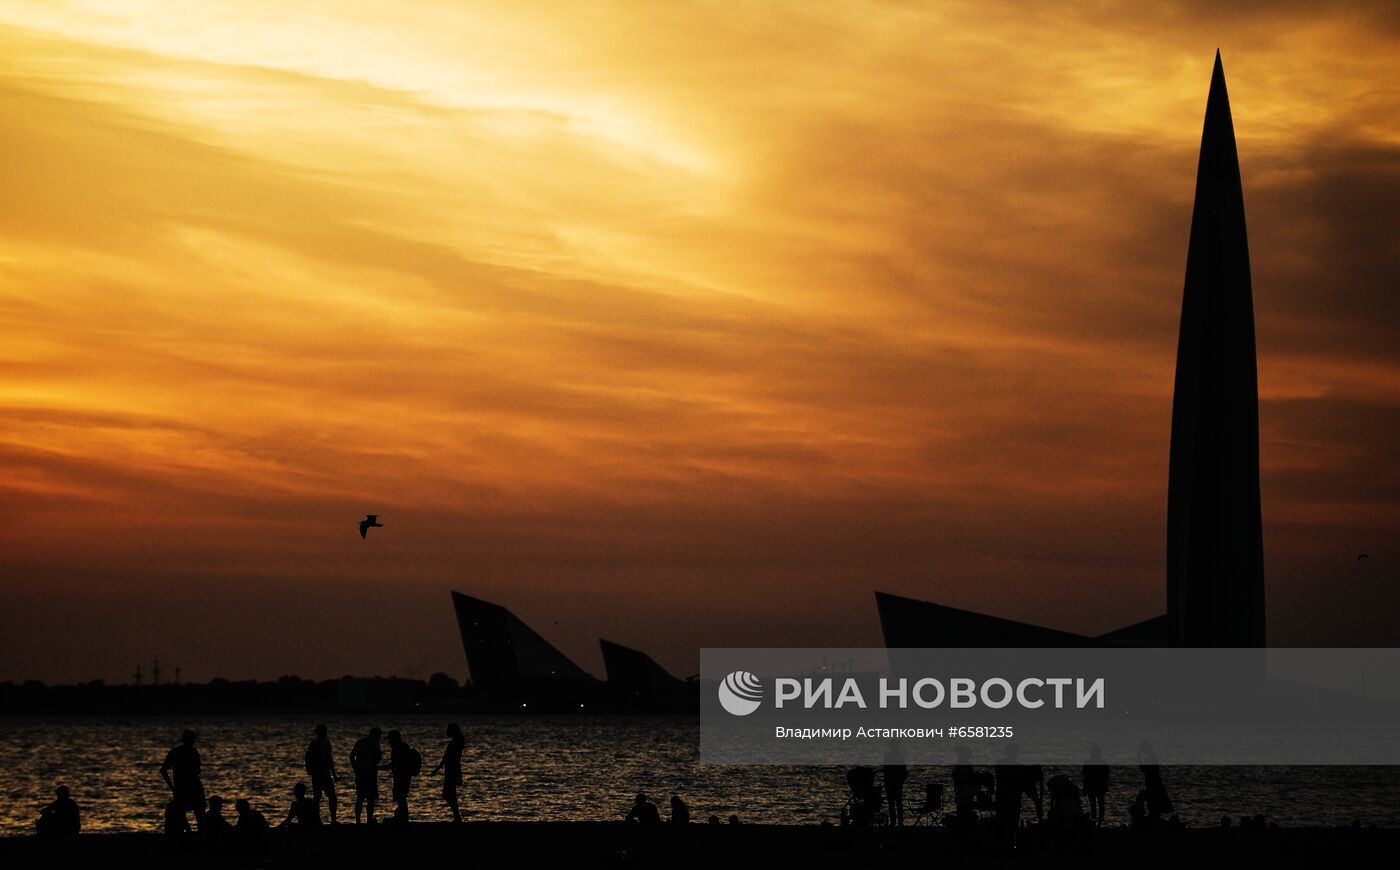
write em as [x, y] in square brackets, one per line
[561, 768]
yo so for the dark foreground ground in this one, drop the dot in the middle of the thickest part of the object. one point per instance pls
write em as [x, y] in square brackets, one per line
[619, 844]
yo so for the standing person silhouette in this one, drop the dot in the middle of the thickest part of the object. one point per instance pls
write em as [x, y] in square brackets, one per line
[320, 766]
[964, 786]
[1158, 802]
[364, 761]
[451, 767]
[1096, 784]
[896, 773]
[181, 773]
[1008, 800]
[405, 763]
[1033, 786]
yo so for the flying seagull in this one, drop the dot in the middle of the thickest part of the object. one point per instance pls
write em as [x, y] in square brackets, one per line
[1362, 557]
[371, 521]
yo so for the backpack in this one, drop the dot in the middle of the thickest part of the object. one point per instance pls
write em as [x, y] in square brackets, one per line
[414, 764]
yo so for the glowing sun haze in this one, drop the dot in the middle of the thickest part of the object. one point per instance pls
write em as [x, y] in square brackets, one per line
[682, 324]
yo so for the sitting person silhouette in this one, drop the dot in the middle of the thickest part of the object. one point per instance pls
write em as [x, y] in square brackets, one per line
[680, 813]
[644, 811]
[1137, 811]
[252, 829]
[304, 812]
[216, 831]
[177, 825]
[59, 819]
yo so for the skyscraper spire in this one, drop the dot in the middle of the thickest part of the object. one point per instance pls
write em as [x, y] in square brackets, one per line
[1215, 550]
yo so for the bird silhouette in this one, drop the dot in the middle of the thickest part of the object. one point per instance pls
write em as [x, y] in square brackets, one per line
[1362, 557]
[371, 521]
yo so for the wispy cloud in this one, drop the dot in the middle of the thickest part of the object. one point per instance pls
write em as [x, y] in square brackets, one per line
[658, 305]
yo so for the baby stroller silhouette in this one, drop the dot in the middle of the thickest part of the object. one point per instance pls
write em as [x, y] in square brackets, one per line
[864, 807]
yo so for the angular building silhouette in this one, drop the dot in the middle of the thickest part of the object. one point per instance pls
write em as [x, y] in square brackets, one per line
[1215, 551]
[513, 666]
[637, 682]
[510, 663]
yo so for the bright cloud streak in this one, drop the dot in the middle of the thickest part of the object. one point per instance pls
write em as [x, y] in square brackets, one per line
[659, 304]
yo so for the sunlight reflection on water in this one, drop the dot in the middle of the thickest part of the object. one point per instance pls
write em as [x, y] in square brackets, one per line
[561, 768]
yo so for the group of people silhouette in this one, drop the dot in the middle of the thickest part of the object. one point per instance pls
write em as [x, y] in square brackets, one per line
[182, 772]
[1002, 792]
[646, 813]
[999, 794]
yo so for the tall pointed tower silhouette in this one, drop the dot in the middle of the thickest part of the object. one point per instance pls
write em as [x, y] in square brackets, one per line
[1215, 540]
[1215, 548]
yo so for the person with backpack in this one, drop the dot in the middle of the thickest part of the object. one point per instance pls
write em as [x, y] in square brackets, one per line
[405, 763]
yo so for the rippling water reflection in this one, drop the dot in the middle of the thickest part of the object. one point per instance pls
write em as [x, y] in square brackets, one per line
[560, 768]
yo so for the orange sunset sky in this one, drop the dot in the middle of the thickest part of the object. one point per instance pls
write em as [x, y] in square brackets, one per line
[683, 324]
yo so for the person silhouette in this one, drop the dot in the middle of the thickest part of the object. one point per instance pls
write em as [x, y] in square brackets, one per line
[180, 771]
[1033, 787]
[252, 829]
[1008, 794]
[404, 764]
[643, 811]
[304, 812]
[896, 773]
[1066, 812]
[1095, 774]
[1154, 789]
[964, 786]
[177, 824]
[216, 831]
[1137, 810]
[365, 756]
[680, 813]
[60, 819]
[320, 767]
[451, 767]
